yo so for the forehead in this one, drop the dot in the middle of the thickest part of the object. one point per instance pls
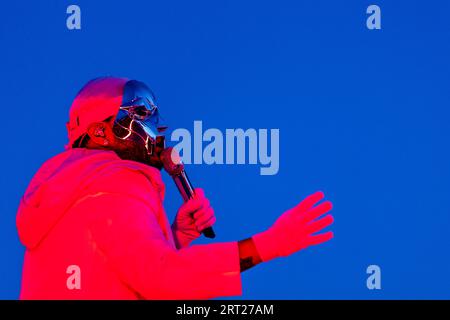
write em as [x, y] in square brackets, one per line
[136, 90]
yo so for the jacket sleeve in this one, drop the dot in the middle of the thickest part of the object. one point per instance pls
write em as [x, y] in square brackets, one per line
[126, 229]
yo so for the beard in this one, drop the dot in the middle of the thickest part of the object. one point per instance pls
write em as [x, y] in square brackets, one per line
[136, 150]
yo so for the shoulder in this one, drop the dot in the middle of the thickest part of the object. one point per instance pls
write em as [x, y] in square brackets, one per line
[128, 178]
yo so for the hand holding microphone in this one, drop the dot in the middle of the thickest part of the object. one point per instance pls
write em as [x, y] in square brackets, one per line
[195, 216]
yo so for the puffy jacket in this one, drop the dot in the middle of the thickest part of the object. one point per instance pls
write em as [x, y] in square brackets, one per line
[89, 211]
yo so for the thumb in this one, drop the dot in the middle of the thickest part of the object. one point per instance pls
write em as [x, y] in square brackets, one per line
[199, 193]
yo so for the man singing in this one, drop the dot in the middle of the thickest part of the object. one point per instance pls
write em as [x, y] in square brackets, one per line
[93, 222]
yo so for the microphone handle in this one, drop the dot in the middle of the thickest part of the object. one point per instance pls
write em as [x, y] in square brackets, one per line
[186, 189]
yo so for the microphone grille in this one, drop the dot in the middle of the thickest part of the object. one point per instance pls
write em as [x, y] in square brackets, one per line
[171, 161]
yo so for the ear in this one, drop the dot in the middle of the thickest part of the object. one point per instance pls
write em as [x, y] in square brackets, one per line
[97, 132]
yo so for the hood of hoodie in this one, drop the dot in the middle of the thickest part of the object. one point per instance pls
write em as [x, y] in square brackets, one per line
[57, 184]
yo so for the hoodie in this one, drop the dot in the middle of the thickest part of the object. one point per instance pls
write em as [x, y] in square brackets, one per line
[94, 227]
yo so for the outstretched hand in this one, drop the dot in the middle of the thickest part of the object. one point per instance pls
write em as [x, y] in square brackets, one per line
[296, 229]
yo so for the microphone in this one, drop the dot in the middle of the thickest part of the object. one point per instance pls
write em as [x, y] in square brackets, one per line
[172, 163]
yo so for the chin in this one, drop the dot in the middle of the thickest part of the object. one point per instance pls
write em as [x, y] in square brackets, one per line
[152, 161]
[139, 155]
[155, 163]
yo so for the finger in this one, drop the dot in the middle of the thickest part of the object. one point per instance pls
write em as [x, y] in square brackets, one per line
[205, 204]
[320, 224]
[205, 216]
[207, 224]
[199, 193]
[191, 206]
[196, 204]
[199, 214]
[317, 211]
[310, 201]
[320, 238]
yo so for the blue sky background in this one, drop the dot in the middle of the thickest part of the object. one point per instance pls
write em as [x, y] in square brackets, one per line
[363, 115]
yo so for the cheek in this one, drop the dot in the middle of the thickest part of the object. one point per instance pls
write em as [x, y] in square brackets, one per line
[129, 143]
[126, 147]
[134, 146]
[121, 144]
